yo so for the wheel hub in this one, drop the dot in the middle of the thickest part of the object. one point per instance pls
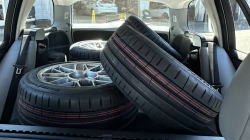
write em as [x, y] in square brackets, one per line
[76, 74]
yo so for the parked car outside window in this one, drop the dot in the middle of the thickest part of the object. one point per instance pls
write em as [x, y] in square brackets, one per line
[198, 19]
[100, 7]
[159, 10]
[111, 14]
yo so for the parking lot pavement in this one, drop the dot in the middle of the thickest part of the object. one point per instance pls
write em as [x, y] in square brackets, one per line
[242, 40]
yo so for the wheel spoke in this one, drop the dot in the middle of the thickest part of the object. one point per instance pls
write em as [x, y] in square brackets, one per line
[96, 69]
[99, 82]
[56, 75]
[57, 71]
[69, 84]
[66, 70]
[70, 66]
[103, 78]
[81, 67]
[102, 45]
[93, 83]
[77, 84]
[62, 81]
[77, 74]
[48, 71]
[94, 43]
[91, 66]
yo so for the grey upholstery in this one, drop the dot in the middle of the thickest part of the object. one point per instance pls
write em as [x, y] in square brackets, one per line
[38, 34]
[226, 70]
[235, 110]
[58, 41]
[182, 44]
[7, 70]
[31, 56]
[10, 58]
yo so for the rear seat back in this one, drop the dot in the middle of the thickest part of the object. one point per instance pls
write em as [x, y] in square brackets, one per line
[57, 41]
[36, 34]
[6, 66]
[183, 45]
[216, 67]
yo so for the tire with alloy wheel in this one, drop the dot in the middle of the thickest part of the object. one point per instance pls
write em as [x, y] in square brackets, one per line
[86, 50]
[141, 27]
[75, 94]
[157, 83]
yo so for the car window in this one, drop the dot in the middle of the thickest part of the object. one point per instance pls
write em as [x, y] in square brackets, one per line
[111, 14]
[242, 32]
[198, 19]
[41, 15]
[3, 11]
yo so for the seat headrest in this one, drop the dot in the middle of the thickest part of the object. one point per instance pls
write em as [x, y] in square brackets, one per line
[38, 33]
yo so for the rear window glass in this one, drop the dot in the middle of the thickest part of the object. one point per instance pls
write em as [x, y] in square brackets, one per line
[3, 10]
[41, 15]
[198, 19]
[111, 14]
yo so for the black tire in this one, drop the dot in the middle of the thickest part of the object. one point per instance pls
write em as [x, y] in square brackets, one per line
[140, 26]
[157, 83]
[92, 107]
[79, 51]
[50, 57]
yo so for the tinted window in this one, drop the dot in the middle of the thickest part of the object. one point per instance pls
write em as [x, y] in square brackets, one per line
[3, 11]
[198, 20]
[41, 15]
[113, 13]
[242, 32]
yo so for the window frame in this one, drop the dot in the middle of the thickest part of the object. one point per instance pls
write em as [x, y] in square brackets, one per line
[228, 29]
[238, 55]
[10, 26]
[245, 13]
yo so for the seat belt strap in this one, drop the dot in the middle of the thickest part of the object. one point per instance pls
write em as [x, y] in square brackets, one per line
[213, 65]
[17, 75]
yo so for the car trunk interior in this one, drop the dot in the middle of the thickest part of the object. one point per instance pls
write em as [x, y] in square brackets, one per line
[64, 32]
[142, 122]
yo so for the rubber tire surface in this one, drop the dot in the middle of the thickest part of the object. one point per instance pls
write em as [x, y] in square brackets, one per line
[78, 52]
[157, 83]
[99, 107]
[141, 27]
[50, 57]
